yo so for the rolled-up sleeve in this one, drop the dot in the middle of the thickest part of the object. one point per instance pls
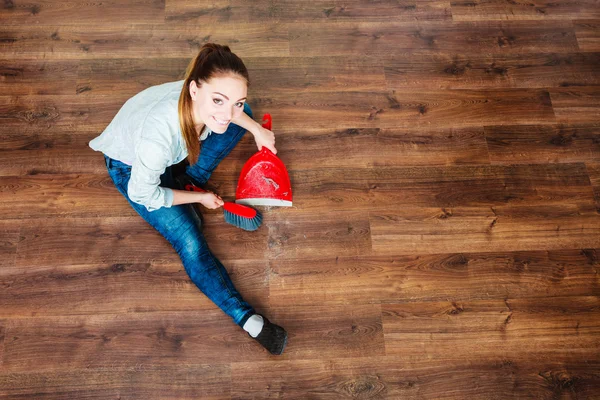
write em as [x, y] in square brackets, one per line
[152, 158]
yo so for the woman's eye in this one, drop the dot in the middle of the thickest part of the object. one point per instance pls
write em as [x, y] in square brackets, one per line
[216, 100]
[240, 105]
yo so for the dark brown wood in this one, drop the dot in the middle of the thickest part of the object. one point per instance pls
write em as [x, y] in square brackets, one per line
[543, 144]
[408, 109]
[444, 236]
[69, 42]
[588, 34]
[372, 189]
[48, 12]
[236, 11]
[497, 228]
[435, 277]
[460, 329]
[381, 147]
[594, 172]
[393, 38]
[397, 376]
[481, 10]
[139, 380]
[573, 105]
[482, 71]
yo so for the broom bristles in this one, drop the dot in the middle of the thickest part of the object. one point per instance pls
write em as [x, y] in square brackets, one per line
[247, 224]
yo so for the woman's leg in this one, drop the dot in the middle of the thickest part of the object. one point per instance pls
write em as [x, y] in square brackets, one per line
[180, 226]
[214, 149]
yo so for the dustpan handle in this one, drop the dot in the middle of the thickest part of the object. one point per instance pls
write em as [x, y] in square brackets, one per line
[267, 125]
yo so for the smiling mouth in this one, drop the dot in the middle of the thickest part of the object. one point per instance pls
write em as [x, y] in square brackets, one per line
[220, 122]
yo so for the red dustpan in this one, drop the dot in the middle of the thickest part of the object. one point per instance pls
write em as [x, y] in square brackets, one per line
[264, 180]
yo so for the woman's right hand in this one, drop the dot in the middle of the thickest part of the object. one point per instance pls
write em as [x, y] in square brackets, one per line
[210, 200]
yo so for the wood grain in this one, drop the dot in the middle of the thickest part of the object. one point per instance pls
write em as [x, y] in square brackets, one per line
[405, 377]
[68, 42]
[402, 109]
[9, 238]
[478, 10]
[435, 277]
[377, 147]
[492, 229]
[235, 11]
[48, 12]
[511, 328]
[588, 34]
[444, 236]
[543, 143]
[141, 380]
[119, 288]
[391, 38]
[482, 71]
[484, 186]
[575, 105]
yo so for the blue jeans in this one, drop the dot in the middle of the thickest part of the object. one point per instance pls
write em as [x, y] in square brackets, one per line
[182, 228]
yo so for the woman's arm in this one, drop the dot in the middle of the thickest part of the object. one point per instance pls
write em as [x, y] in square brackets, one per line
[208, 199]
[262, 136]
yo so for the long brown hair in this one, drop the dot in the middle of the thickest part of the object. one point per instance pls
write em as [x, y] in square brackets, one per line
[212, 60]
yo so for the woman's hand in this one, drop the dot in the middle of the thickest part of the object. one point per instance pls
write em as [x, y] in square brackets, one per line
[211, 200]
[266, 138]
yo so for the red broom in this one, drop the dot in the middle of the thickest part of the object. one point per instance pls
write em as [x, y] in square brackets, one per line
[238, 215]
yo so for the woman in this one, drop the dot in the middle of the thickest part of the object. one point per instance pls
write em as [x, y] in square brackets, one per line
[160, 127]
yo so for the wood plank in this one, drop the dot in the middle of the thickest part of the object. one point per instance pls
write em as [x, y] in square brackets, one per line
[432, 109]
[96, 289]
[317, 234]
[393, 38]
[9, 238]
[411, 230]
[323, 332]
[52, 242]
[403, 377]
[62, 195]
[46, 161]
[2, 338]
[587, 32]
[79, 42]
[486, 329]
[573, 105]
[483, 71]
[184, 12]
[434, 277]
[407, 109]
[109, 240]
[127, 75]
[293, 75]
[372, 189]
[161, 339]
[267, 74]
[375, 147]
[593, 169]
[58, 113]
[135, 381]
[37, 77]
[543, 143]
[121, 340]
[76, 12]
[484, 10]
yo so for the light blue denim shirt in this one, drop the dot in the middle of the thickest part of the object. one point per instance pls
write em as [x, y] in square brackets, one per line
[146, 134]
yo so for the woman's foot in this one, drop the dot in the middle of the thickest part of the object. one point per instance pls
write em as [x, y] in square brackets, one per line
[272, 337]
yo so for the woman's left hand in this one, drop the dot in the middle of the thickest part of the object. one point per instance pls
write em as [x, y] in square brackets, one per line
[266, 138]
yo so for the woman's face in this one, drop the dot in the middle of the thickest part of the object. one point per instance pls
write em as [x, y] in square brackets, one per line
[216, 102]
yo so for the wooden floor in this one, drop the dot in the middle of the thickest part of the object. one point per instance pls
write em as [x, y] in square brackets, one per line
[444, 240]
